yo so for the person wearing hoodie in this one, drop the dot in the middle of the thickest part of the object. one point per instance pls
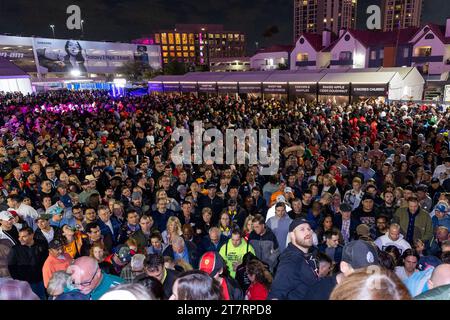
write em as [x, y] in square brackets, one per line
[298, 269]
[393, 238]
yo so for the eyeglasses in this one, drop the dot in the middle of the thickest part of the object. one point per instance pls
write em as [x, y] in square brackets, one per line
[86, 283]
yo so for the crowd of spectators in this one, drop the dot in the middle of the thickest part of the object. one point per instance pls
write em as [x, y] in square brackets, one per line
[93, 207]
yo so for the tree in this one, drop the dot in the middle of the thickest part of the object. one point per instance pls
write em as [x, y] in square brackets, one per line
[175, 67]
[136, 71]
[269, 32]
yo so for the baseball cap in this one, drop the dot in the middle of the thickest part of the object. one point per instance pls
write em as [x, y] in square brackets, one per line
[13, 212]
[55, 244]
[345, 207]
[360, 254]
[288, 189]
[211, 185]
[123, 252]
[363, 230]
[6, 215]
[296, 222]
[442, 207]
[435, 180]
[211, 262]
[281, 198]
[44, 216]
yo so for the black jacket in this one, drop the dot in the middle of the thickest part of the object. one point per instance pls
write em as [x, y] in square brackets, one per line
[171, 276]
[234, 290]
[25, 263]
[39, 236]
[216, 204]
[266, 247]
[296, 273]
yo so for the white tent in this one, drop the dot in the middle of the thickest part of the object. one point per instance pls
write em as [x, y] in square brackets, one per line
[13, 79]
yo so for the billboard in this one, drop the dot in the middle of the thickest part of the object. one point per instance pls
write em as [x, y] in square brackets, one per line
[19, 51]
[66, 56]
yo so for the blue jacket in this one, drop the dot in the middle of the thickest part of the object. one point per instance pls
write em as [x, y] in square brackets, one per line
[445, 221]
[295, 274]
[104, 229]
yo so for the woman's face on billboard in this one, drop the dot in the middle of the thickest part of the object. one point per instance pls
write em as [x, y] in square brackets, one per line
[73, 48]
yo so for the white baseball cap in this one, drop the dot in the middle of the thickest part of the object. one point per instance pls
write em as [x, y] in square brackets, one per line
[6, 215]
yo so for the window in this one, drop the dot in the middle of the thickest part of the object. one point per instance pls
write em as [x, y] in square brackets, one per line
[191, 38]
[165, 54]
[179, 54]
[429, 36]
[217, 36]
[178, 48]
[166, 60]
[157, 38]
[192, 54]
[302, 57]
[172, 54]
[381, 53]
[185, 54]
[163, 38]
[184, 38]
[164, 48]
[172, 48]
[345, 55]
[192, 48]
[170, 38]
[177, 38]
[185, 48]
[269, 62]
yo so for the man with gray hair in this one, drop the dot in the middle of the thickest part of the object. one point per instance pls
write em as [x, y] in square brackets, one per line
[181, 249]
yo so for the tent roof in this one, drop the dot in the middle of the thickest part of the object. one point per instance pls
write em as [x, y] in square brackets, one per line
[358, 77]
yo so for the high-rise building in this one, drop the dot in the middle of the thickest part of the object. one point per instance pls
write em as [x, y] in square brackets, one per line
[198, 43]
[401, 14]
[314, 16]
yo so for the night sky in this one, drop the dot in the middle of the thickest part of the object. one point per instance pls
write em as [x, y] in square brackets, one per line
[119, 20]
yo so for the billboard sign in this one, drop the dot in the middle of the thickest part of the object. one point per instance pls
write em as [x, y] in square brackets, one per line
[68, 56]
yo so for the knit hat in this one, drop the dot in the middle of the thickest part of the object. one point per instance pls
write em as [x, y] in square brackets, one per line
[296, 222]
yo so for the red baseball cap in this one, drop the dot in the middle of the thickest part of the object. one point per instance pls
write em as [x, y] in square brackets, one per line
[211, 262]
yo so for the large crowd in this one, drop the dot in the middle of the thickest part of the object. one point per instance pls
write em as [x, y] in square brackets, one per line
[93, 207]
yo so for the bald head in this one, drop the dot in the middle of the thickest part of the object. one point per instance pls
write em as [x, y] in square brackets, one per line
[85, 274]
[440, 276]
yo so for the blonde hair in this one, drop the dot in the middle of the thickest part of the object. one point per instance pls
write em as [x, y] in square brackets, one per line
[174, 220]
[249, 218]
[371, 283]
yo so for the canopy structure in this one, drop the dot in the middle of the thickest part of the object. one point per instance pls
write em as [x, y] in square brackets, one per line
[391, 83]
[13, 79]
